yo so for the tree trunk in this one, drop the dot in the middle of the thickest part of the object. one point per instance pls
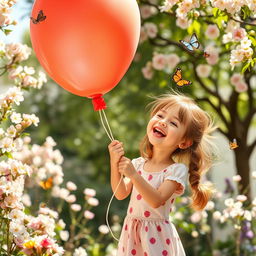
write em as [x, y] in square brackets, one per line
[242, 158]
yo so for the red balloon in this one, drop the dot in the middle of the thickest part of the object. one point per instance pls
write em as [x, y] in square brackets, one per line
[85, 46]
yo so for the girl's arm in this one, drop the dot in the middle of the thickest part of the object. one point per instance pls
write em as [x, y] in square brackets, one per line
[116, 151]
[124, 188]
[154, 197]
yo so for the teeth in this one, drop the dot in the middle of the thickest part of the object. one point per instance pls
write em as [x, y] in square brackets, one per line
[159, 131]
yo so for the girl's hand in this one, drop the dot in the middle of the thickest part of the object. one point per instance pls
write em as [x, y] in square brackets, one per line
[116, 151]
[126, 167]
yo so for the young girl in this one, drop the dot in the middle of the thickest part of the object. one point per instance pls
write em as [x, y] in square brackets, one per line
[177, 145]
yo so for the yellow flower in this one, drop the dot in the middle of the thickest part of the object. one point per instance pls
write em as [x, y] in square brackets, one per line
[29, 244]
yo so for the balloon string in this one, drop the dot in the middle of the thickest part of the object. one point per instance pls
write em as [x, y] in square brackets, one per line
[110, 135]
[107, 124]
[107, 132]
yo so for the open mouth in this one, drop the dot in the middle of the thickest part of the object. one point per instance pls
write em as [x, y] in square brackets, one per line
[157, 132]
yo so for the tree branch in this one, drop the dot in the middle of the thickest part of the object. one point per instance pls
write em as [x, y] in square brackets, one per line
[214, 93]
[219, 112]
[242, 22]
[251, 147]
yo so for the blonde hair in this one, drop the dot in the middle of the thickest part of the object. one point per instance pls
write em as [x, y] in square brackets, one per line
[199, 156]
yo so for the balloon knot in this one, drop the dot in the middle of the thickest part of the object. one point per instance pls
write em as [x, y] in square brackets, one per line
[98, 103]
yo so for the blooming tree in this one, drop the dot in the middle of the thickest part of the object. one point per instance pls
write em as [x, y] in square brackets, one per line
[222, 70]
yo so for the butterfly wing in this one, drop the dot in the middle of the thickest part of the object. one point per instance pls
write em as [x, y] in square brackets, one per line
[187, 45]
[47, 184]
[194, 41]
[233, 144]
[184, 82]
[41, 16]
[206, 54]
[34, 20]
[176, 77]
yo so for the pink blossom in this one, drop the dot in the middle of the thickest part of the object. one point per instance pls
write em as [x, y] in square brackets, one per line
[239, 34]
[241, 87]
[159, 61]
[183, 23]
[148, 71]
[236, 78]
[212, 31]
[46, 243]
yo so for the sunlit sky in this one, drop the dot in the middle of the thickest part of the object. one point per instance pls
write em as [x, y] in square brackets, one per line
[20, 12]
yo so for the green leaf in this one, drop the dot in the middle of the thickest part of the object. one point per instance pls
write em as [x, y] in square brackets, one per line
[216, 12]
[7, 31]
[24, 134]
[8, 154]
[246, 66]
[245, 12]
[253, 40]
[194, 27]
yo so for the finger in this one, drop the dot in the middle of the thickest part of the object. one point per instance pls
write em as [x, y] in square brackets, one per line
[117, 146]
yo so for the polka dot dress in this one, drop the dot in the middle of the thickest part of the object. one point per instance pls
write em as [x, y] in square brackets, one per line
[147, 231]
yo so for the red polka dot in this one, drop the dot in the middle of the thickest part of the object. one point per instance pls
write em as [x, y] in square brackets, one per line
[166, 221]
[164, 253]
[165, 170]
[152, 240]
[130, 210]
[133, 252]
[139, 172]
[168, 241]
[145, 254]
[126, 227]
[150, 177]
[172, 200]
[146, 213]
[146, 228]
[159, 229]
[139, 197]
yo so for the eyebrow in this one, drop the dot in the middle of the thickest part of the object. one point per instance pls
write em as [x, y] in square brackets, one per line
[175, 117]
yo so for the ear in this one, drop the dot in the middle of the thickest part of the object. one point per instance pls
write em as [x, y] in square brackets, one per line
[185, 144]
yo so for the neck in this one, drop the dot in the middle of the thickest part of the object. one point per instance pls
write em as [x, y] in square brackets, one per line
[161, 156]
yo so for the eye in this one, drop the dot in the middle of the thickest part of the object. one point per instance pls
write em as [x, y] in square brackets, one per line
[159, 115]
[173, 123]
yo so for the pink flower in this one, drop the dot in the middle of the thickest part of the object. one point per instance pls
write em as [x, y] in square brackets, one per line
[236, 78]
[88, 215]
[46, 243]
[203, 70]
[213, 58]
[172, 60]
[239, 34]
[241, 87]
[212, 31]
[148, 71]
[159, 61]
[183, 23]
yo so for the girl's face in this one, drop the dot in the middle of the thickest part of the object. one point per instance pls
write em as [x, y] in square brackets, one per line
[165, 129]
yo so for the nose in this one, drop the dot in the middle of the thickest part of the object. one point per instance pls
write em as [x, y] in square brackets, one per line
[162, 123]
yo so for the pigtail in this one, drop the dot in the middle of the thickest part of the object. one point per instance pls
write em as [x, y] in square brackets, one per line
[201, 193]
[201, 159]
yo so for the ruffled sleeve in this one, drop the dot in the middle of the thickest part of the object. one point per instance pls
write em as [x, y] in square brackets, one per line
[137, 162]
[179, 173]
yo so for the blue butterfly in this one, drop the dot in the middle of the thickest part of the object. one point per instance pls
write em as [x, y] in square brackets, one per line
[193, 43]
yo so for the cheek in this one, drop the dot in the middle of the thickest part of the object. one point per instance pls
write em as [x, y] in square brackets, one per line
[149, 126]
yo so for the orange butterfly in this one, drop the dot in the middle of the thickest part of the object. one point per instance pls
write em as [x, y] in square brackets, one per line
[206, 54]
[233, 144]
[46, 184]
[177, 78]
[40, 17]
